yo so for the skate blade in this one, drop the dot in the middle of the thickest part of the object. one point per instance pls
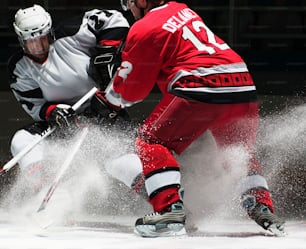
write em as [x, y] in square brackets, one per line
[151, 231]
[277, 230]
[42, 219]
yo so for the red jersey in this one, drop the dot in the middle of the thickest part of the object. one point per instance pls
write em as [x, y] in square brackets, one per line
[171, 46]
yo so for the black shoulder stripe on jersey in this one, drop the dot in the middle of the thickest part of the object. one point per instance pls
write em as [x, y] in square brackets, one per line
[34, 93]
[68, 27]
[11, 64]
[29, 104]
[112, 34]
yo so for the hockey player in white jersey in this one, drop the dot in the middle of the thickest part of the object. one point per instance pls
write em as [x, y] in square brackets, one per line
[56, 67]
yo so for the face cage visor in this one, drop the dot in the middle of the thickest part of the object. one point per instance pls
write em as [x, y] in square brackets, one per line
[38, 46]
[125, 4]
[23, 38]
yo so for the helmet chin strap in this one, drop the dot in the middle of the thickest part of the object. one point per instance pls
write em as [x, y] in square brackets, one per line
[142, 10]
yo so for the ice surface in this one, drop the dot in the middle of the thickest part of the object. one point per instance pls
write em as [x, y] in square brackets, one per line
[91, 210]
[217, 235]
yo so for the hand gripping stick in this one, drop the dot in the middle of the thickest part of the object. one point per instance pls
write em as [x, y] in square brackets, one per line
[10, 164]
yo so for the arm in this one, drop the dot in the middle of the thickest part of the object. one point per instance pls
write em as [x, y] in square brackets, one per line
[110, 29]
[24, 88]
[99, 34]
[29, 94]
[139, 70]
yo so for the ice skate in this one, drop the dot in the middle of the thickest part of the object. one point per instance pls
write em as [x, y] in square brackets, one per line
[163, 224]
[263, 216]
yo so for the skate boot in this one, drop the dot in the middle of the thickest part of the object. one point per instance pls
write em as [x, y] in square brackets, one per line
[163, 224]
[263, 216]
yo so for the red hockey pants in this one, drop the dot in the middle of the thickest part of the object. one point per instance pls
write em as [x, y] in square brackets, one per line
[174, 124]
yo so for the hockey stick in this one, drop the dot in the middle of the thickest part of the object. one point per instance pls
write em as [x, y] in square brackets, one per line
[63, 170]
[10, 164]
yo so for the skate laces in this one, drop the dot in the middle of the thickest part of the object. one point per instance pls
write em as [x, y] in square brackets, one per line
[262, 214]
[175, 207]
[174, 213]
[153, 214]
[169, 222]
[265, 218]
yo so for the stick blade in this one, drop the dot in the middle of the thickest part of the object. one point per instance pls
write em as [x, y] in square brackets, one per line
[42, 219]
[42, 206]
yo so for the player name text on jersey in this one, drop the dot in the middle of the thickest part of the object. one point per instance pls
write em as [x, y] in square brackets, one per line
[178, 20]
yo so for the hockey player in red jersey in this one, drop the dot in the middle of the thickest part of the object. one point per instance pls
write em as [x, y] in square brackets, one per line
[206, 85]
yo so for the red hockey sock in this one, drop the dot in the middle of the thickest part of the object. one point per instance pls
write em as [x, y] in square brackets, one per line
[164, 199]
[263, 196]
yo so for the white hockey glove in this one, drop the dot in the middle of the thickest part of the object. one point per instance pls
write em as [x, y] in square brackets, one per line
[61, 115]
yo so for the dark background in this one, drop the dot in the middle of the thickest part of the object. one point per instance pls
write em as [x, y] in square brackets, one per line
[269, 34]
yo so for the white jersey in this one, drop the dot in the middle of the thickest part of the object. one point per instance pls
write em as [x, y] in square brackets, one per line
[63, 77]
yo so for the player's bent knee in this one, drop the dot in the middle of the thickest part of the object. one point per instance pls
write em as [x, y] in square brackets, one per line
[19, 141]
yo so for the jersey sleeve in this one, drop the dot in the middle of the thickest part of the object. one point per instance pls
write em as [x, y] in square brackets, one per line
[106, 25]
[25, 89]
[139, 69]
[110, 29]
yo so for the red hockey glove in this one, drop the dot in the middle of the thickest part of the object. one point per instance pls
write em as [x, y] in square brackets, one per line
[61, 115]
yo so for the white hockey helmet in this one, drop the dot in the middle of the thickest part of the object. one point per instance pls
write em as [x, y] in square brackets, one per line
[32, 22]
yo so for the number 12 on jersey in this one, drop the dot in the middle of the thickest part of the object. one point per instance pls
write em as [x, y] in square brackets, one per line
[198, 27]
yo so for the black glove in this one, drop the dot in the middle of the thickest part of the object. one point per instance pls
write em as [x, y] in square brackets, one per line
[105, 59]
[103, 64]
[61, 115]
[105, 111]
